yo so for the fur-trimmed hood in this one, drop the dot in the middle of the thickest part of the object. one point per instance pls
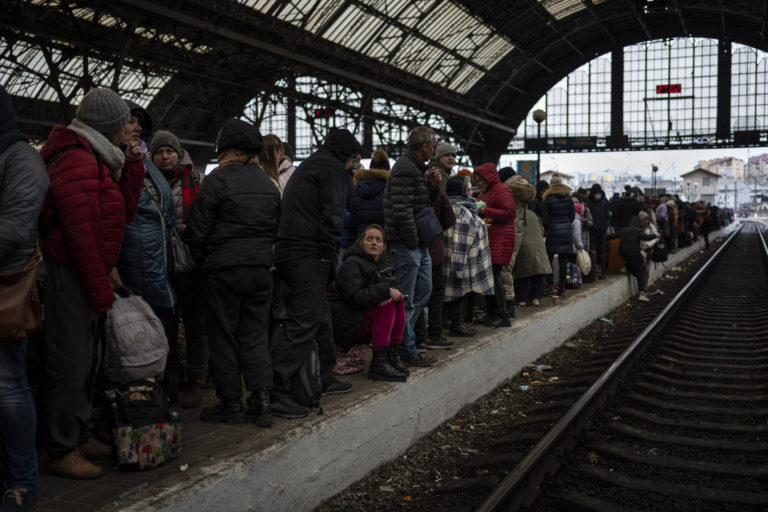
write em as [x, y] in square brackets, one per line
[557, 189]
[372, 174]
[523, 190]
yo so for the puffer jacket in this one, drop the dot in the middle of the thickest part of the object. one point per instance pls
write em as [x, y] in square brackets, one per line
[144, 259]
[500, 209]
[85, 211]
[361, 283]
[234, 218]
[557, 198]
[367, 205]
[24, 184]
[175, 178]
[405, 195]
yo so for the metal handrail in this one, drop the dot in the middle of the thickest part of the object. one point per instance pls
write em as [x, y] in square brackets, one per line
[520, 475]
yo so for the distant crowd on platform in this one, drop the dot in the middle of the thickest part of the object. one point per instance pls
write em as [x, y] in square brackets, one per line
[295, 270]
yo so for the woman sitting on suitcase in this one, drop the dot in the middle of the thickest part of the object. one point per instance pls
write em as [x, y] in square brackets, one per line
[367, 302]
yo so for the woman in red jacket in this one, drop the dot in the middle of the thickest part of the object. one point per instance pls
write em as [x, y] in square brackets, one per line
[94, 189]
[499, 214]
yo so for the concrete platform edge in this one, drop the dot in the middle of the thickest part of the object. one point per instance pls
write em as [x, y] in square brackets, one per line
[325, 455]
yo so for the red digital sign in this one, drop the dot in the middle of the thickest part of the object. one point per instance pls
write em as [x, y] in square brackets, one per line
[324, 112]
[669, 89]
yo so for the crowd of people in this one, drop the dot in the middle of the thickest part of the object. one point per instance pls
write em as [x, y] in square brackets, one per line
[321, 258]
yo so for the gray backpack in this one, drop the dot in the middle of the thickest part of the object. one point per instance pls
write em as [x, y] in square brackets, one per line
[135, 346]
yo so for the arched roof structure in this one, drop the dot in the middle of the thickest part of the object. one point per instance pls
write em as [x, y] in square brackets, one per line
[480, 64]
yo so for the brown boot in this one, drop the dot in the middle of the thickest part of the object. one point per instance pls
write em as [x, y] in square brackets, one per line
[74, 465]
[193, 392]
[95, 450]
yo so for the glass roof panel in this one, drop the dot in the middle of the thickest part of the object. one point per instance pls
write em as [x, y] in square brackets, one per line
[429, 51]
[559, 9]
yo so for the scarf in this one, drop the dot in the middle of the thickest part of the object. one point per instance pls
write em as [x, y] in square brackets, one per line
[189, 187]
[109, 154]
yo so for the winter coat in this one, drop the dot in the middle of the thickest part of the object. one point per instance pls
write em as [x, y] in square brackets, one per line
[361, 284]
[445, 172]
[367, 205]
[145, 256]
[23, 185]
[532, 260]
[630, 239]
[557, 198]
[234, 218]
[405, 195]
[467, 265]
[623, 211]
[500, 209]
[524, 193]
[576, 231]
[540, 209]
[284, 172]
[85, 211]
[314, 203]
[601, 216]
[175, 180]
[444, 213]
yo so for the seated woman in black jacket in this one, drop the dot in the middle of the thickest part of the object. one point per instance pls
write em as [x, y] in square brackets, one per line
[632, 247]
[367, 302]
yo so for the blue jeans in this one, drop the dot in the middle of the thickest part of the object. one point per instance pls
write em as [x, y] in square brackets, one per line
[17, 419]
[413, 269]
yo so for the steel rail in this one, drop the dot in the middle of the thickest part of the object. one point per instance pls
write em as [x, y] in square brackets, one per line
[520, 486]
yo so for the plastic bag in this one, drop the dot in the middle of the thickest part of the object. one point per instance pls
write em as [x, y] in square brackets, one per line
[584, 261]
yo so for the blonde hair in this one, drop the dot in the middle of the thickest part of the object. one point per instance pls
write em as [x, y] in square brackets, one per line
[268, 156]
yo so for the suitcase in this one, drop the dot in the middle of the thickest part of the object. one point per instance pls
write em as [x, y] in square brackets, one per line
[615, 261]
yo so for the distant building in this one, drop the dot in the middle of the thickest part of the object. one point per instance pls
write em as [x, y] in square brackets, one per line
[728, 167]
[700, 185]
[756, 167]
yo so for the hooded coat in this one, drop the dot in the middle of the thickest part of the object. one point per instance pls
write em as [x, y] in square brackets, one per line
[361, 283]
[367, 205]
[557, 198]
[234, 218]
[405, 195]
[532, 259]
[85, 211]
[23, 184]
[314, 201]
[500, 209]
[524, 193]
[599, 208]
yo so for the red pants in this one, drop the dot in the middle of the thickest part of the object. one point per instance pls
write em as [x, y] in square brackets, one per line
[384, 324]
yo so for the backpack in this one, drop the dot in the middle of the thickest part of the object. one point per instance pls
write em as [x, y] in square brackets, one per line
[659, 253]
[306, 386]
[135, 345]
[572, 276]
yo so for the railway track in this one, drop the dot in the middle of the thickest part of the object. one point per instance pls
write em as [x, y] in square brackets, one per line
[678, 421]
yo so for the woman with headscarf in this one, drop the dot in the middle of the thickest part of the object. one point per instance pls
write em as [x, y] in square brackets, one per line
[231, 232]
[467, 266]
[94, 190]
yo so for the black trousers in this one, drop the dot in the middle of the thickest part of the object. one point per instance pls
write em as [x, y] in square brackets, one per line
[598, 243]
[191, 295]
[496, 304]
[72, 330]
[237, 319]
[309, 318]
[434, 327]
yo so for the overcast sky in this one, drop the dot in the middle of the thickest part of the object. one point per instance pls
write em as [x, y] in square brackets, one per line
[670, 163]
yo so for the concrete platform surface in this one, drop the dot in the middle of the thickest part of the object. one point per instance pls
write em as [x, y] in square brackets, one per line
[297, 464]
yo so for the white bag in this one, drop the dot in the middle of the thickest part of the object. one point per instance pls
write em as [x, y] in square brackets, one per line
[135, 346]
[584, 261]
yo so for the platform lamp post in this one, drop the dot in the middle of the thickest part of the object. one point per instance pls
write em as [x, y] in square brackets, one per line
[654, 170]
[539, 116]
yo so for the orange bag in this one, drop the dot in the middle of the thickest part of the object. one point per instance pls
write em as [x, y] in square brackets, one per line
[615, 261]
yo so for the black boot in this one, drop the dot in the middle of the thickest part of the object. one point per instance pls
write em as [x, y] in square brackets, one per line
[259, 411]
[393, 356]
[460, 329]
[230, 411]
[381, 369]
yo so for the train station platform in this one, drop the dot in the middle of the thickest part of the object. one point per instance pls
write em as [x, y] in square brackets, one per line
[297, 464]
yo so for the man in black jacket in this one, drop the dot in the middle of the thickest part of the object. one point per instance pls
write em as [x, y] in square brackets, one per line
[231, 231]
[308, 238]
[601, 216]
[405, 195]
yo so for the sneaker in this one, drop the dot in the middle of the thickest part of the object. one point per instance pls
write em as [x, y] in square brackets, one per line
[95, 450]
[642, 297]
[439, 344]
[18, 500]
[498, 322]
[283, 406]
[462, 331]
[535, 302]
[337, 388]
[418, 360]
[74, 465]
[522, 303]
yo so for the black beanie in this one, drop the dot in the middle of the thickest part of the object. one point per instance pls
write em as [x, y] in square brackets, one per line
[237, 134]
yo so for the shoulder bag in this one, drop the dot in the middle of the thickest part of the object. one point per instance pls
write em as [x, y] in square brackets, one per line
[20, 309]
